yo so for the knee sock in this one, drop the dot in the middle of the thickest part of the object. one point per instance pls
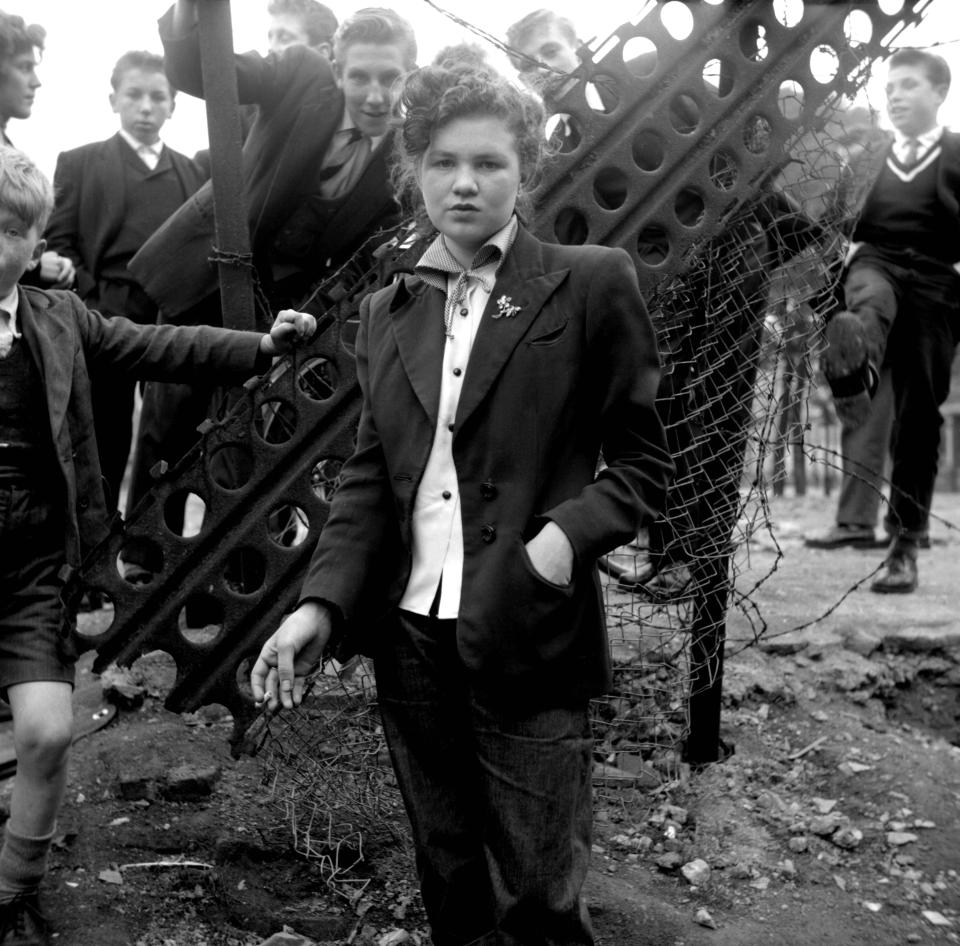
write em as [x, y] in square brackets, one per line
[23, 863]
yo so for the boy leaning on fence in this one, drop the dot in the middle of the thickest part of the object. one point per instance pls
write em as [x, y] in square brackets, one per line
[52, 504]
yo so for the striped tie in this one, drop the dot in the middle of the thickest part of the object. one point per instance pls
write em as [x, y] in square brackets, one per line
[910, 149]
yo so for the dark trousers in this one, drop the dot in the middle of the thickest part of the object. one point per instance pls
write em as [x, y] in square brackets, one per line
[112, 394]
[921, 300]
[498, 796]
[169, 417]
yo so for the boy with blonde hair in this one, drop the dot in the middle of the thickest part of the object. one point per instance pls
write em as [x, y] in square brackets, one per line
[52, 503]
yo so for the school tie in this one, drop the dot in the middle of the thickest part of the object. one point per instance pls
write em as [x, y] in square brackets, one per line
[911, 147]
[342, 155]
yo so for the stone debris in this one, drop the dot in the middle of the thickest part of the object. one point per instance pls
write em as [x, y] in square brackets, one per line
[702, 916]
[825, 825]
[189, 783]
[799, 844]
[395, 938]
[289, 937]
[934, 918]
[824, 805]
[669, 861]
[696, 872]
[899, 838]
[847, 837]
[853, 768]
[121, 688]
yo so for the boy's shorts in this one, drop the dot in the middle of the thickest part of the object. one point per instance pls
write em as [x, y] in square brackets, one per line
[33, 620]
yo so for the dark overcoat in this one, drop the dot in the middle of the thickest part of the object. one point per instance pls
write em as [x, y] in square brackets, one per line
[299, 110]
[91, 204]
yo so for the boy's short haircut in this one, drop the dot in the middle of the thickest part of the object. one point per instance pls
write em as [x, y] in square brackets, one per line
[24, 188]
[17, 37]
[319, 22]
[936, 68]
[380, 26]
[520, 32]
[143, 61]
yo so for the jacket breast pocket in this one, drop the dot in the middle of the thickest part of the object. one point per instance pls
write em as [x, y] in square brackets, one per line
[549, 336]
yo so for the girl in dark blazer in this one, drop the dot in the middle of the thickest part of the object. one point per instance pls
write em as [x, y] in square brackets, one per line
[461, 546]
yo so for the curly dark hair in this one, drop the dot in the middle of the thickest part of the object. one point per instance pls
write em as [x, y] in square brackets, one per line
[461, 86]
[17, 37]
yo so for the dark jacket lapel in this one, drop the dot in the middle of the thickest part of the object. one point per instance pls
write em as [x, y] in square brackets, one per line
[525, 282]
[54, 358]
[417, 319]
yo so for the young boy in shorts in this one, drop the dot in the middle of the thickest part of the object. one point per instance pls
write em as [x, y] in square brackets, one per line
[52, 503]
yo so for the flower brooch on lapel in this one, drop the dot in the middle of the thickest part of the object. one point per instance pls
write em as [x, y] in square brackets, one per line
[505, 308]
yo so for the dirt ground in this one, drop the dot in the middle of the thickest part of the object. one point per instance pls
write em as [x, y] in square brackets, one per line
[835, 820]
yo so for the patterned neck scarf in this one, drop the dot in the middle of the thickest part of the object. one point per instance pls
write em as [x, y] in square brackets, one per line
[437, 263]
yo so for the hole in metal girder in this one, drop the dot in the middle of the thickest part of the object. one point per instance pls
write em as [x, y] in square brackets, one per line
[790, 99]
[788, 12]
[571, 227]
[242, 677]
[610, 188]
[684, 113]
[317, 378]
[653, 245]
[139, 560]
[858, 27]
[183, 513]
[230, 465]
[563, 133]
[648, 150]
[200, 621]
[723, 170]
[276, 420]
[603, 94]
[101, 612]
[689, 207]
[325, 477]
[824, 64]
[245, 571]
[718, 77]
[756, 134]
[677, 19]
[753, 41]
[891, 7]
[288, 525]
[640, 56]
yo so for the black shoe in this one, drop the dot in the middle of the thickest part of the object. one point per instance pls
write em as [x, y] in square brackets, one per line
[843, 535]
[22, 923]
[899, 575]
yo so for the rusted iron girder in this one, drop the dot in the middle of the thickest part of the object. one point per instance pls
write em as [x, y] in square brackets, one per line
[223, 125]
[292, 428]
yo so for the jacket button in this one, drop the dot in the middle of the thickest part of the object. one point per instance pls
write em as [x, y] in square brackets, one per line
[488, 533]
[487, 490]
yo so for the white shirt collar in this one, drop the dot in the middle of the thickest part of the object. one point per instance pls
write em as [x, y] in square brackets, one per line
[156, 147]
[927, 140]
[9, 304]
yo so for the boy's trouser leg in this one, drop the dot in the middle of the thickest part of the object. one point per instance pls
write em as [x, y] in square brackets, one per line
[865, 450]
[499, 800]
[922, 348]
